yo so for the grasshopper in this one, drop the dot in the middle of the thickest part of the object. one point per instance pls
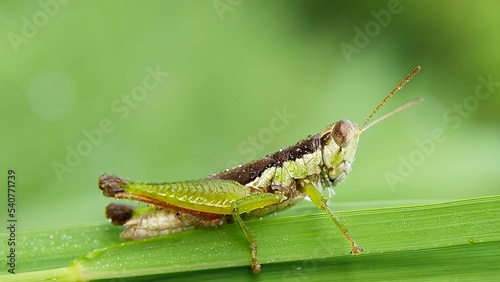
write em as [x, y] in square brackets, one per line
[255, 189]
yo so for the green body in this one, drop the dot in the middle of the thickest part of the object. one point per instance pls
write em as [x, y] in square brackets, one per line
[214, 201]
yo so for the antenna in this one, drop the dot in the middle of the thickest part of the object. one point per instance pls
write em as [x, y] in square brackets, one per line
[396, 89]
[399, 109]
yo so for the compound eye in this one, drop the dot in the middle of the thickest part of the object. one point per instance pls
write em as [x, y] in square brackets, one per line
[343, 132]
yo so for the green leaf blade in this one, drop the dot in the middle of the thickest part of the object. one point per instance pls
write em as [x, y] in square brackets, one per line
[432, 242]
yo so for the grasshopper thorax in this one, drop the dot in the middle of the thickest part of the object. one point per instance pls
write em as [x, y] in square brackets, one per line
[339, 142]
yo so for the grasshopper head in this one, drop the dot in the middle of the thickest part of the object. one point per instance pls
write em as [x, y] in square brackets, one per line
[339, 142]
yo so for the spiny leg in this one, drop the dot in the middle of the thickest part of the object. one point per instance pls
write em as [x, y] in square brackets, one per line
[248, 204]
[322, 203]
[255, 265]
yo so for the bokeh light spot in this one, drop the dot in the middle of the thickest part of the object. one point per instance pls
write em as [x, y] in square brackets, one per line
[52, 95]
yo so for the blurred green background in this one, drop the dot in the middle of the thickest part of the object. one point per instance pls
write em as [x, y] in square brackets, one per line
[79, 99]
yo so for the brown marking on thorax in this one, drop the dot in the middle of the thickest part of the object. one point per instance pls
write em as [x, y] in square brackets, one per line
[248, 172]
